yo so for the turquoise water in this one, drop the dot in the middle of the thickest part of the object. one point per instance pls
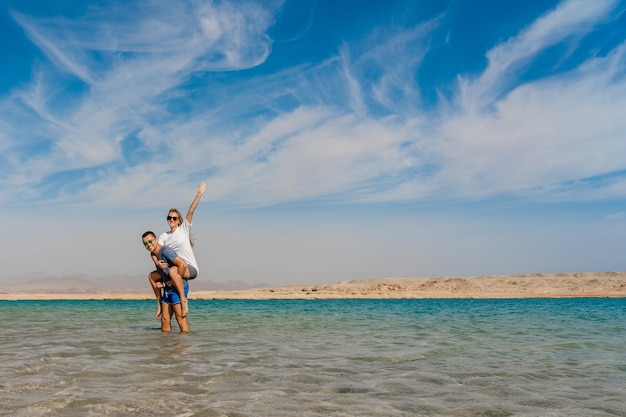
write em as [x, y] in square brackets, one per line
[531, 357]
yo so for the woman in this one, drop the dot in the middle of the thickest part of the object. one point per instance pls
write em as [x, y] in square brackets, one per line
[179, 240]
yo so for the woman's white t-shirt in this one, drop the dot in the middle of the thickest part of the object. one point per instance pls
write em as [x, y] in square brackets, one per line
[179, 243]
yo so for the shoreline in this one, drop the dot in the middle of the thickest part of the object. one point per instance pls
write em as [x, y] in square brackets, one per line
[561, 285]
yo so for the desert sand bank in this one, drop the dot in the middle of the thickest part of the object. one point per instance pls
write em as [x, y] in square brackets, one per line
[582, 284]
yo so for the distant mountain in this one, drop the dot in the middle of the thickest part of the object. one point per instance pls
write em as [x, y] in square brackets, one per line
[83, 284]
[77, 284]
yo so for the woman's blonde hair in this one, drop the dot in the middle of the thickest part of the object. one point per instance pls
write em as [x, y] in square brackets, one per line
[180, 221]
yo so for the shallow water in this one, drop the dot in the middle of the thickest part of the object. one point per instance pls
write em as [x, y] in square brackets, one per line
[546, 357]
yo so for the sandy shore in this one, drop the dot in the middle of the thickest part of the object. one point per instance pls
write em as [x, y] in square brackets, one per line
[587, 284]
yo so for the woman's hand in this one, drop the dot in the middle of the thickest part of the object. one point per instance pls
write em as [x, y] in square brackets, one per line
[202, 188]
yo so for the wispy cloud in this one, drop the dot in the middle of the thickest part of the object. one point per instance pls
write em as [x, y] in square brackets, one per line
[116, 71]
[136, 100]
[616, 216]
[569, 21]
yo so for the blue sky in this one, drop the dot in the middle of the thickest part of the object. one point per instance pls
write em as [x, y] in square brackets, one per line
[339, 140]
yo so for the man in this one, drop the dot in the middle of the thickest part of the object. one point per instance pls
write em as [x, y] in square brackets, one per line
[171, 290]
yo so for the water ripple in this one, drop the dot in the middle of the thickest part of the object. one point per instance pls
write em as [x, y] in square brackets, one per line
[316, 358]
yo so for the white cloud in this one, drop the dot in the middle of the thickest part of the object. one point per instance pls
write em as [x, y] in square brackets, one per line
[571, 18]
[141, 58]
[616, 216]
[495, 135]
[564, 128]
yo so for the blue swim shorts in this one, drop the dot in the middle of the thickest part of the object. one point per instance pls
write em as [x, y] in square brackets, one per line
[170, 295]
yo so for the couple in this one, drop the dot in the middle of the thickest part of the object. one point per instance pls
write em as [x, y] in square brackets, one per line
[174, 259]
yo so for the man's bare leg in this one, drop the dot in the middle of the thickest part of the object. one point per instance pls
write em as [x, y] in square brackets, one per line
[166, 318]
[182, 320]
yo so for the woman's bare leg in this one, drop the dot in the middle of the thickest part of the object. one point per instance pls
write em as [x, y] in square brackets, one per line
[177, 281]
[156, 283]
